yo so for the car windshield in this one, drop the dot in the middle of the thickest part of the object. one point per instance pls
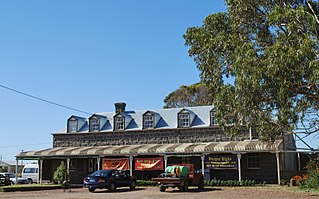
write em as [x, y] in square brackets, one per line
[101, 173]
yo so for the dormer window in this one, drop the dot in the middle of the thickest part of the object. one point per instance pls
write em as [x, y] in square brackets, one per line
[148, 121]
[183, 120]
[213, 118]
[94, 124]
[119, 122]
[73, 126]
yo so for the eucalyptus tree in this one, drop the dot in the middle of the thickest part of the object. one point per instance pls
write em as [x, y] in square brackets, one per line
[261, 58]
[198, 94]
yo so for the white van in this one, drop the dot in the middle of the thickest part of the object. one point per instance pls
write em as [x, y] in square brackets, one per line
[31, 172]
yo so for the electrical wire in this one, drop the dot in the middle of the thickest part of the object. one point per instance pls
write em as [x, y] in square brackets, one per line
[44, 100]
[15, 146]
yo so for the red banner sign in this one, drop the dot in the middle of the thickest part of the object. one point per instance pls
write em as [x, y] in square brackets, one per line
[115, 163]
[149, 163]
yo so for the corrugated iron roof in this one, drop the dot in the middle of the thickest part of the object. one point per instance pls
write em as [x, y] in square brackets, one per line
[168, 119]
[155, 149]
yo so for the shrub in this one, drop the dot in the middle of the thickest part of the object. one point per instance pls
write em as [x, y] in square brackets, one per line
[60, 173]
[215, 182]
[311, 181]
[146, 183]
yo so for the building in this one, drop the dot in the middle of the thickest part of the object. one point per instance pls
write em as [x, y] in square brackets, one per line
[146, 141]
[10, 166]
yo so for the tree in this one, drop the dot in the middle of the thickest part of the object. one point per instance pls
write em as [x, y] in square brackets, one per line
[261, 58]
[186, 96]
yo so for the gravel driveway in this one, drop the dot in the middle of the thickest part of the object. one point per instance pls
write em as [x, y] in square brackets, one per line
[153, 192]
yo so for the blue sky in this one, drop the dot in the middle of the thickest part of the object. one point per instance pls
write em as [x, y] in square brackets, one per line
[89, 55]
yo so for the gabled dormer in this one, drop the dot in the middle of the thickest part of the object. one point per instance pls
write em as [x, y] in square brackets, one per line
[96, 122]
[185, 118]
[75, 123]
[150, 119]
[121, 121]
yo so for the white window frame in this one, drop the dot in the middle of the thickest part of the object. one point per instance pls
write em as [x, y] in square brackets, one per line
[213, 118]
[148, 121]
[94, 124]
[119, 122]
[72, 125]
[183, 120]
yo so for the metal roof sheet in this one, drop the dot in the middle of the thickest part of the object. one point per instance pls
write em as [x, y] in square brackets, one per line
[168, 119]
[155, 149]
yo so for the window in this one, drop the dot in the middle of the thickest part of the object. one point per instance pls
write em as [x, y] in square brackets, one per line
[253, 161]
[183, 120]
[73, 126]
[186, 160]
[29, 170]
[148, 122]
[213, 118]
[119, 123]
[94, 124]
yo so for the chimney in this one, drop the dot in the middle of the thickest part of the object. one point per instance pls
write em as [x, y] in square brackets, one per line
[119, 107]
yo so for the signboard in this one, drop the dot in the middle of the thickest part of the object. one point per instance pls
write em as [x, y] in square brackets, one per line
[149, 164]
[221, 162]
[115, 163]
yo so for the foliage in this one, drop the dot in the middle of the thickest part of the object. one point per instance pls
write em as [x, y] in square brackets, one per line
[261, 60]
[60, 173]
[3, 170]
[198, 94]
[298, 180]
[146, 183]
[312, 179]
[217, 182]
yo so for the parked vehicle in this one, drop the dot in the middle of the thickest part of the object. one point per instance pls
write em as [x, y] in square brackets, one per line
[4, 180]
[109, 179]
[14, 180]
[180, 176]
[31, 172]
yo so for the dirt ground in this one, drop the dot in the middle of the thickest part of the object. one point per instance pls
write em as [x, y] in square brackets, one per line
[153, 192]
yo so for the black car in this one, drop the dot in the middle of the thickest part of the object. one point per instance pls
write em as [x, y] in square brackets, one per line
[109, 179]
[4, 180]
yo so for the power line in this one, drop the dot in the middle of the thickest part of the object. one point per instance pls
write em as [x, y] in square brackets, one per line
[14, 146]
[44, 100]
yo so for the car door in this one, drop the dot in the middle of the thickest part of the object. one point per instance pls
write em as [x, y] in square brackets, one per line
[116, 178]
[122, 178]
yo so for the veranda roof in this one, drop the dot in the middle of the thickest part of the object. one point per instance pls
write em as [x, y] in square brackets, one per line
[153, 149]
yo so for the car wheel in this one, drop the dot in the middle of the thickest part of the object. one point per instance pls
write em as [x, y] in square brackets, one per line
[201, 185]
[91, 190]
[185, 186]
[112, 187]
[30, 181]
[162, 188]
[133, 185]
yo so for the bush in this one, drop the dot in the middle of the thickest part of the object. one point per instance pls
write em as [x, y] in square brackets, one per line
[311, 181]
[215, 182]
[146, 183]
[59, 174]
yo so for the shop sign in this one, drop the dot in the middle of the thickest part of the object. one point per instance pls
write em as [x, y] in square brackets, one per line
[115, 163]
[221, 162]
[149, 163]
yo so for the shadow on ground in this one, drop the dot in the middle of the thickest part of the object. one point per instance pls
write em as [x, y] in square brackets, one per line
[118, 190]
[193, 190]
